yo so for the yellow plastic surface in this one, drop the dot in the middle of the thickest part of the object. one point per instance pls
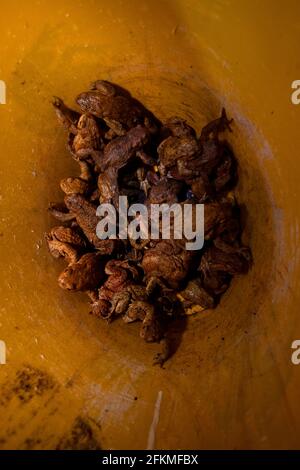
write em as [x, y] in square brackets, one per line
[71, 381]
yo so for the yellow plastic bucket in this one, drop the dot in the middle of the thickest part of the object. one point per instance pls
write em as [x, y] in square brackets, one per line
[70, 380]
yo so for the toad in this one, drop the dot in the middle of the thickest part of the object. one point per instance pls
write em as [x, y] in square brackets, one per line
[117, 154]
[215, 127]
[165, 190]
[117, 108]
[65, 242]
[85, 215]
[121, 275]
[85, 274]
[178, 127]
[195, 294]
[173, 154]
[219, 263]
[66, 116]
[198, 162]
[167, 263]
[88, 139]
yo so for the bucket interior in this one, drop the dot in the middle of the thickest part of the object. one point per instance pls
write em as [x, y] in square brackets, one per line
[71, 380]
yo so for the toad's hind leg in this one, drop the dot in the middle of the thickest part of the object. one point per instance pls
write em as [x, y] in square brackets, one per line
[161, 357]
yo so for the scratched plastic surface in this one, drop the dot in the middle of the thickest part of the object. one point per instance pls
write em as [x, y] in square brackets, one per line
[71, 381]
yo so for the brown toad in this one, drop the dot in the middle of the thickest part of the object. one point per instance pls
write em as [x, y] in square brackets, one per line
[85, 274]
[116, 107]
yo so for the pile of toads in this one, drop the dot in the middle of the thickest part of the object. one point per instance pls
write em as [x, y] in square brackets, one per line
[123, 149]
